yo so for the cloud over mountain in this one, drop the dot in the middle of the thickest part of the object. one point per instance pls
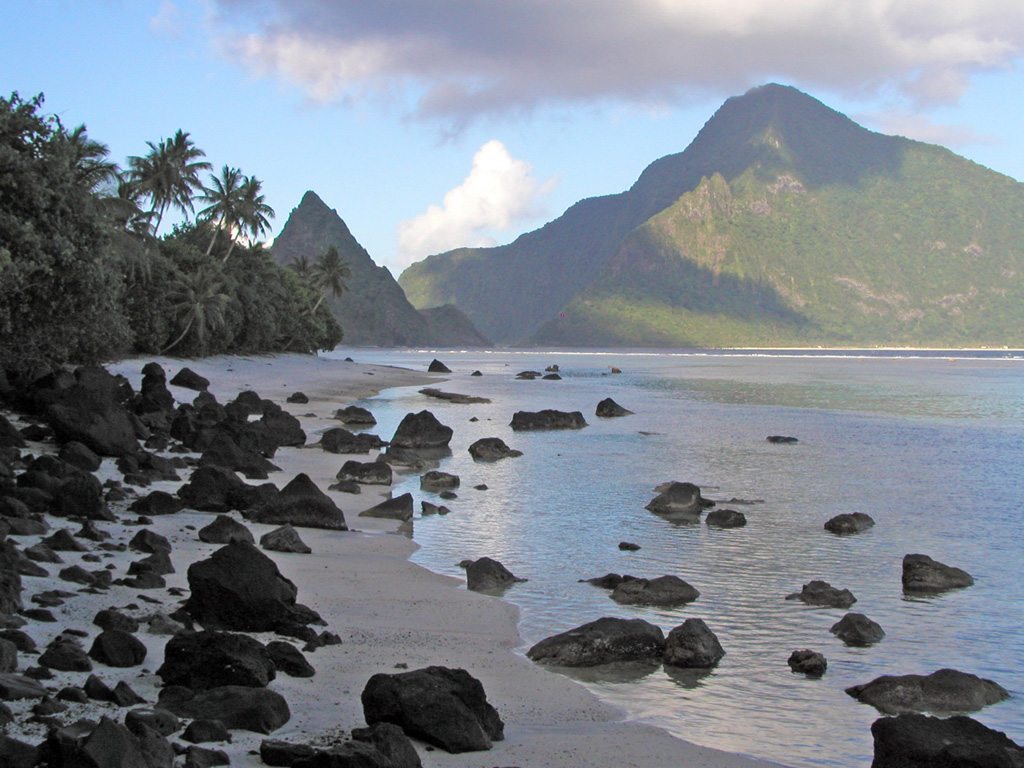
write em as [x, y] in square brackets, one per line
[464, 58]
[499, 193]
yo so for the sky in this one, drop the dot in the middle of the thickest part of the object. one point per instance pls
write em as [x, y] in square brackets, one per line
[434, 124]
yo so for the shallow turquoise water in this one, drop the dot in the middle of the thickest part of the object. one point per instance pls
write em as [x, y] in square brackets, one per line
[932, 447]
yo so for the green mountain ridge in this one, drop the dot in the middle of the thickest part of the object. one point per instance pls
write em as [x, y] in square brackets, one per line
[783, 223]
[374, 310]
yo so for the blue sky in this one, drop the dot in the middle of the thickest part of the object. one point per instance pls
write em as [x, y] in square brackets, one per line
[430, 124]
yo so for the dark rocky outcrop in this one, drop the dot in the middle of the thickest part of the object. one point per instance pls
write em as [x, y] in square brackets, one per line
[91, 411]
[421, 430]
[224, 530]
[355, 416]
[223, 451]
[14, 687]
[678, 499]
[250, 709]
[692, 644]
[240, 588]
[486, 574]
[523, 421]
[782, 439]
[438, 481]
[822, 593]
[160, 503]
[924, 575]
[87, 744]
[920, 741]
[856, 629]
[117, 648]
[609, 580]
[608, 408]
[366, 473]
[212, 489]
[111, 618]
[603, 641]
[492, 449]
[289, 659]
[436, 366]
[399, 508]
[453, 397]
[297, 397]
[664, 591]
[943, 692]
[204, 660]
[302, 504]
[340, 440]
[725, 518]
[441, 706]
[845, 524]
[284, 539]
[65, 654]
[808, 662]
[189, 379]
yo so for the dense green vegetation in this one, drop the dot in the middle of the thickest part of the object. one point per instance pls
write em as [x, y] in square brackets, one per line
[85, 275]
[783, 223]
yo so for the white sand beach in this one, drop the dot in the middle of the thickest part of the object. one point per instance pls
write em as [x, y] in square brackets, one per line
[387, 610]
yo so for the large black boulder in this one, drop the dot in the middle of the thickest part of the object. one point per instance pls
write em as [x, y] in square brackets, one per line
[664, 591]
[92, 411]
[603, 641]
[524, 421]
[224, 530]
[204, 660]
[223, 451]
[441, 706]
[856, 629]
[608, 409]
[366, 472]
[492, 449]
[240, 588]
[692, 644]
[822, 593]
[421, 430]
[486, 574]
[678, 499]
[86, 744]
[398, 508]
[919, 741]
[845, 524]
[301, 503]
[355, 416]
[249, 709]
[189, 379]
[924, 575]
[340, 440]
[117, 648]
[211, 489]
[944, 692]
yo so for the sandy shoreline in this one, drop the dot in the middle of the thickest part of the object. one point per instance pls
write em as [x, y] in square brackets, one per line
[387, 610]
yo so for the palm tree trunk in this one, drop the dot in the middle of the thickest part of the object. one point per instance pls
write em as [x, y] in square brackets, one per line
[212, 240]
[230, 249]
[174, 343]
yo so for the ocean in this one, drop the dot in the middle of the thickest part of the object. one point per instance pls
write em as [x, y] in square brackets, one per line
[930, 444]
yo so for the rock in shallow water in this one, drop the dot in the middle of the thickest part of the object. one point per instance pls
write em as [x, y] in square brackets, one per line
[692, 644]
[856, 629]
[846, 524]
[824, 594]
[922, 574]
[486, 574]
[603, 641]
[664, 591]
[945, 691]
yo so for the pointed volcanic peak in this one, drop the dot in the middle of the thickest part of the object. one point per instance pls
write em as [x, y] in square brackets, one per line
[823, 234]
[510, 291]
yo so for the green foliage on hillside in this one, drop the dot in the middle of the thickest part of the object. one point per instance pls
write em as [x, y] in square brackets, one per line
[927, 255]
[84, 276]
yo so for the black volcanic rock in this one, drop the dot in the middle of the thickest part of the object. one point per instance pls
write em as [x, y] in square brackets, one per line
[923, 574]
[603, 641]
[945, 691]
[301, 504]
[919, 741]
[547, 419]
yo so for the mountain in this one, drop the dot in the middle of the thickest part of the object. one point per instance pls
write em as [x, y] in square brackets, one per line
[783, 223]
[374, 310]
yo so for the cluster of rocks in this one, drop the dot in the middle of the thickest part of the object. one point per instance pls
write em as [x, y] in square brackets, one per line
[682, 503]
[609, 640]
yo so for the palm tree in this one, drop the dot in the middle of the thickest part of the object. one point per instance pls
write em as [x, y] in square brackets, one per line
[169, 174]
[329, 274]
[253, 212]
[198, 302]
[225, 198]
[87, 157]
[303, 267]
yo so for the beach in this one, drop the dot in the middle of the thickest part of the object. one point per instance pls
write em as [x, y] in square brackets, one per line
[390, 613]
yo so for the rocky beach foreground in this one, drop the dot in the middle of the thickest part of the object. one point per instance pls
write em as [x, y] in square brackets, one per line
[143, 563]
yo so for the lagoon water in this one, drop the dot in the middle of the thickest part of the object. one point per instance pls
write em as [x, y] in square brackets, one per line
[931, 445]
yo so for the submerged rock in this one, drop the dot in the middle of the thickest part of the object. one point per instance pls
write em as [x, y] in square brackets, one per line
[678, 499]
[547, 419]
[856, 629]
[849, 523]
[492, 449]
[664, 591]
[808, 662]
[824, 594]
[725, 518]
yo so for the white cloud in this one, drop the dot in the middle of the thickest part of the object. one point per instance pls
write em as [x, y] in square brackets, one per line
[919, 127]
[462, 58]
[168, 20]
[499, 193]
